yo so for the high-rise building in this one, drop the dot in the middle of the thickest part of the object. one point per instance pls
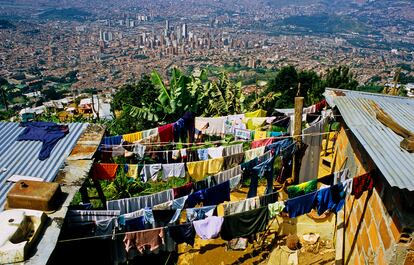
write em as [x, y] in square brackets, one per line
[184, 31]
[167, 25]
[100, 35]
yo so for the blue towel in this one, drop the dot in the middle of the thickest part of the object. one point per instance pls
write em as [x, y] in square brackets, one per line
[217, 194]
[195, 198]
[332, 198]
[301, 205]
[194, 214]
[202, 154]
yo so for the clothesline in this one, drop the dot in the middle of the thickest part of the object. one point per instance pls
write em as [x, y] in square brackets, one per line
[160, 144]
[151, 229]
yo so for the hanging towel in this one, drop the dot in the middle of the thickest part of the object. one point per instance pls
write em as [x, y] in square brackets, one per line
[183, 233]
[227, 174]
[301, 205]
[217, 194]
[210, 126]
[173, 170]
[253, 153]
[244, 224]
[242, 134]
[150, 172]
[132, 171]
[149, 133]
[361, 184]
[241, 206]
[257, 113]
[258, 135]
[263, 142]
[215, 152]
[104, 171]
[200, 169]
[183, 190]
[132, 137]
[332, 199]
[232, 149]
[232, 160]
[268, 198]
[166, 133]
[208, 228]
[302, 189]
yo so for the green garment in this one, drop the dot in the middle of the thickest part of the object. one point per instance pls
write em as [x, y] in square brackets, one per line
[244, 224]
[302, 189]
[275, 208]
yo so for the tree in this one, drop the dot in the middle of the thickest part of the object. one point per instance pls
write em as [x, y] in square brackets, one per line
[310, 86]
[341, 78]
[3, 85]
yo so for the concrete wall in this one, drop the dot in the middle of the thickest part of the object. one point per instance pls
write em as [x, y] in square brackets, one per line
[374, 222]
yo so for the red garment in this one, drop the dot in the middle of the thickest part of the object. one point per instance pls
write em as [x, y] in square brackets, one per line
[104, 171]
[361, 184]
[320, 105]
[262, 142]
[148, 239]
[183, 190]
[166, 133]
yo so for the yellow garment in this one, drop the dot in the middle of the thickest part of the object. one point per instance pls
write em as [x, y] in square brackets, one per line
[132, 171]
[254, 123]
[200, 169]
[258, 135]
[257, 113]
[253, 153]
[132, 137]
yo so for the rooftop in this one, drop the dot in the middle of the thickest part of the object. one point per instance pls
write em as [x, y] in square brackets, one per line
[381, 143]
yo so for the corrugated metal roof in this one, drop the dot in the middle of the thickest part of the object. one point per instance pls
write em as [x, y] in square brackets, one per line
[21, 157]
[381, 143]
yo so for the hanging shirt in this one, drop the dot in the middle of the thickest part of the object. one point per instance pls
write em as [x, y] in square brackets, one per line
[202, 154]
[232, 122]
[244, 224]
[301, 205]
[173, 170]
[215, 152]
[152, 239]
[194, 214]
[164, 217]
[278, 146]
[208, 228]
[235, 182]
[166, 133]
[194, 199]
[139, 150]
[183, 233]
[150, 172]
[132, 137]
[253, 153]
[48, 132]
[275, 208]
[104, 171]
[268, 198]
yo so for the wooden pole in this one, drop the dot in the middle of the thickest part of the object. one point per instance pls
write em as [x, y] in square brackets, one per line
[297, 131]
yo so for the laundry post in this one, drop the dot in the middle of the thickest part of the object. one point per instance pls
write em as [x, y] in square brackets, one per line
[297, 135]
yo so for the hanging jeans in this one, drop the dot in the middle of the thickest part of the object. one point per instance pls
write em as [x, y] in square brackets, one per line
[264, 169]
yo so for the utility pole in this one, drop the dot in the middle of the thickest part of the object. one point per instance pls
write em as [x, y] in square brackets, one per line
[297, 136]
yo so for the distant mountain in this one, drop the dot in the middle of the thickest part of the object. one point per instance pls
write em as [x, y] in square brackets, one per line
[5, 24]
[65, 14]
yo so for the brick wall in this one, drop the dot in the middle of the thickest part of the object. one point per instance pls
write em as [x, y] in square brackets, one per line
[373, 223]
